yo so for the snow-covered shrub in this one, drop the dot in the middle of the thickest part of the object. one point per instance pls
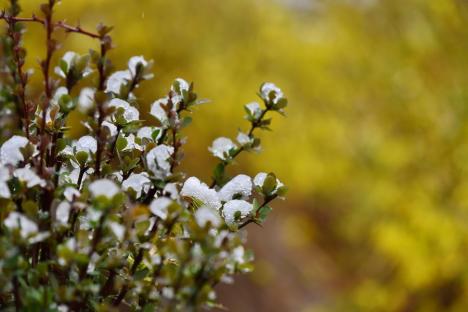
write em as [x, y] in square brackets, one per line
[106, 220]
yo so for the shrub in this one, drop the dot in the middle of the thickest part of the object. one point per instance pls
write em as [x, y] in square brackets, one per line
[106, 221]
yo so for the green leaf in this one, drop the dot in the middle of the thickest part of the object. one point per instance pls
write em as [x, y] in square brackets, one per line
[81, 158]
[141, 274]
[176, 86]
[61, 144]
[121, 143]
[94, 55]
[63, 66]
[30, 207]
[66, 103]
[81, 63]
[142, 226]
[155, 134]
[263, 213]
[281, 191]
[237, 215]
[282, 103]
[269, 185]
[255, 205]
[218, 173]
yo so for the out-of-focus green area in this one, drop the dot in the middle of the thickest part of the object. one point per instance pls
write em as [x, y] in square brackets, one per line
[374, 149]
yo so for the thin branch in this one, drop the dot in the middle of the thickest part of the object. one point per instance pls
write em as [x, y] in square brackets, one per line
[252, 220]
[102, 79]
[45, 66]
[59, 24]
[21, 80]
[76, 29]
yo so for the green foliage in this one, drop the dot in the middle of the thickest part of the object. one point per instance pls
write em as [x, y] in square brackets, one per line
[106, 221]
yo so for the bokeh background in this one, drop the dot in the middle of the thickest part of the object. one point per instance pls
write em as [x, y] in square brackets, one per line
[374, 148]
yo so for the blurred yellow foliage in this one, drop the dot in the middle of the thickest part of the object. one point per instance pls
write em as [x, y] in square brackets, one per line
[375, 146]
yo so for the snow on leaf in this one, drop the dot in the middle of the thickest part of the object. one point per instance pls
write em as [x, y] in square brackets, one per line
[61, 91]
[131, 144]
[238, 254]
[139, 182]
[86, 100]
[68, 60]
[111, 127]
[17, 220]
[86, 144]
[233, 207]
[159, 207]
[254, 109]
[62, 212]
[221, 147]
[116, 80]
[158, 111]
[130, 113]
[239, 185]
[147, 133]
[4, 177]
[260, 179]
[133, 63]
[74, 174]
[243, 138]
[10, 153]
[268, 89]
[103, 187]
[70, 193]
[205, 214]
[171, 190]
[117, 229]
[28, 176]
[194, 188]
[158, 160]
[183, 85]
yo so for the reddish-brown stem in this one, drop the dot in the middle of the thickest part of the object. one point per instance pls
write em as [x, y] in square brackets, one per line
[16, 293]
[22, 78]
[101, 83]
[45, 66]
[175, 145]
[252, 220]
[50, 26]
[76, 29]
[59, 24]
[257, 122]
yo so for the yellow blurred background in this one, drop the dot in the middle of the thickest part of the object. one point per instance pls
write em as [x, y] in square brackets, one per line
[374, 148]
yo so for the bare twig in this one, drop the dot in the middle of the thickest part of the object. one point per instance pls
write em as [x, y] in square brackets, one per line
[21, 78]
[60, 24]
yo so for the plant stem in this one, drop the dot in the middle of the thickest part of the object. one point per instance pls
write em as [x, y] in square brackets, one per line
[102, 79]
[16, 293]
[21, 78]
[59, 24]
[80, 176]
[45, 66]
[252, 220]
